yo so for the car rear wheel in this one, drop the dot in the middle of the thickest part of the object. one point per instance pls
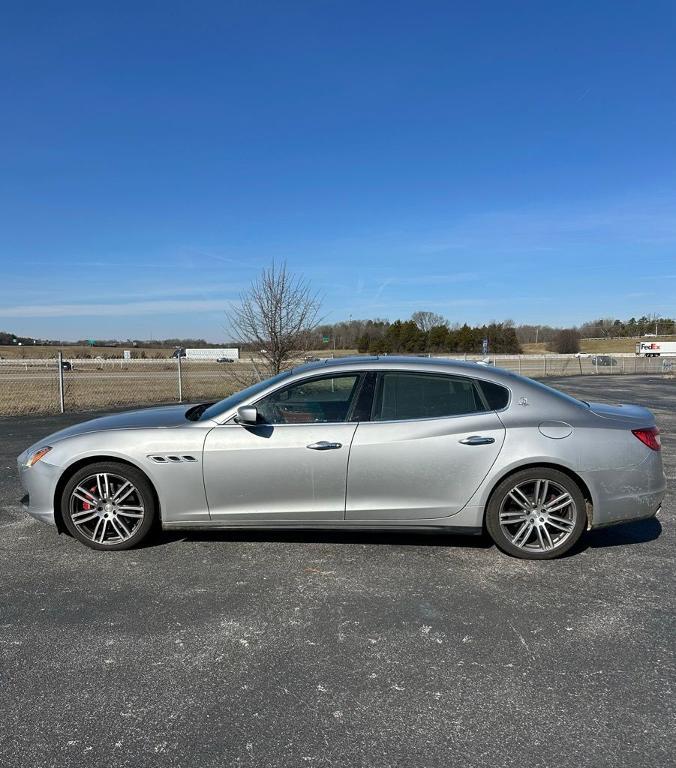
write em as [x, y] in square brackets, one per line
[536, 514]
[109, 505]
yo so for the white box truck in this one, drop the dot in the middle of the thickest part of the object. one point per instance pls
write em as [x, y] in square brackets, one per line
[220, 355]
[656, 348]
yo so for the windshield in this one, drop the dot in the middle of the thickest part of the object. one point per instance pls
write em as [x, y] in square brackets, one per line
[234, 400]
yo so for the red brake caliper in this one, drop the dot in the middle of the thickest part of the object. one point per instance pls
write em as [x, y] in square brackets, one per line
[86, 505]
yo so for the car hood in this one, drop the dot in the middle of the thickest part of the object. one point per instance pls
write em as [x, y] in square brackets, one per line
[167, 416]
[623, 413]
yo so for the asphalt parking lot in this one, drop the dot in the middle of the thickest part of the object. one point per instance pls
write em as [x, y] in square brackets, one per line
[329, 649]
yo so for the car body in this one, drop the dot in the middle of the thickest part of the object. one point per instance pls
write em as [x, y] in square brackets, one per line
[603, 360]
[377, 443]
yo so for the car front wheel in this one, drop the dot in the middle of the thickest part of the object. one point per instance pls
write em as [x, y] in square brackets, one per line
[536, 514]
[109, 505]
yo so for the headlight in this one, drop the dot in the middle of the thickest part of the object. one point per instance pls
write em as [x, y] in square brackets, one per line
[37, 455]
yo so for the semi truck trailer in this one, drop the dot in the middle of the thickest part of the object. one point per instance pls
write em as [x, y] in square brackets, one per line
[656, 348]
[208, 354]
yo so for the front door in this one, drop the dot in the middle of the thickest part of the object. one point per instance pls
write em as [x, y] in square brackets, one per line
[293, 464]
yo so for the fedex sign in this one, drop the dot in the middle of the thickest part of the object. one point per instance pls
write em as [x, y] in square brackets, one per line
[656, 348]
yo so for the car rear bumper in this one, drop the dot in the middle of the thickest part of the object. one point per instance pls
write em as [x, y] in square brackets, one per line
[632, 493]
[649, 516]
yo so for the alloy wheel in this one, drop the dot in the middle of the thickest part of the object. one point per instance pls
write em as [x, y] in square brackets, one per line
[538, 515]
[106, 508]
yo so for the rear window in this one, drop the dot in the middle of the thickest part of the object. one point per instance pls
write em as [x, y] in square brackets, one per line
[496, 396]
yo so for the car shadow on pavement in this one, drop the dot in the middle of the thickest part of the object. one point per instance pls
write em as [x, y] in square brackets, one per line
[638, 532]
[307, 536]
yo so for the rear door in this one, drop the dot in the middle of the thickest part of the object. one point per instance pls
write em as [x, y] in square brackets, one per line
[431, 441]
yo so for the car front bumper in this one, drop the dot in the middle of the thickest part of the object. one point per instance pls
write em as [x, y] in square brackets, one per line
[39, 482]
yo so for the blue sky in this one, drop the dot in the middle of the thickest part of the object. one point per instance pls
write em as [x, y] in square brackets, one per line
[479, 159]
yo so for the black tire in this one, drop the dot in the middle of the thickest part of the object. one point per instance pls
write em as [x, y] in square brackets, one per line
[138, 524]
[570, 520]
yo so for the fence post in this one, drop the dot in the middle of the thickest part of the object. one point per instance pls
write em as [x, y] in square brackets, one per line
[519, 365]
[545, 363]
[180, 380]
[61, 398]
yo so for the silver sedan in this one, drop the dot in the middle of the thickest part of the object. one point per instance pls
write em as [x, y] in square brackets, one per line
[359, 443]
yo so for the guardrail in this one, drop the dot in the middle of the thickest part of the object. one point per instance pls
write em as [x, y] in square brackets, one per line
[57, 385]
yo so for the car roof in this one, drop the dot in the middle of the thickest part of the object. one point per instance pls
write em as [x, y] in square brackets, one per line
[407, 362]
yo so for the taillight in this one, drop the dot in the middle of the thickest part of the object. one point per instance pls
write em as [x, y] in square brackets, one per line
[650, 437]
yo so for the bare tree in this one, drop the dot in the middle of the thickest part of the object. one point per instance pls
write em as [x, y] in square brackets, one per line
[566, 341]
[427, 320]
[276, 316]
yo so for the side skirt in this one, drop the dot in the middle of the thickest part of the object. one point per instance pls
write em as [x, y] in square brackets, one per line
[339, 525]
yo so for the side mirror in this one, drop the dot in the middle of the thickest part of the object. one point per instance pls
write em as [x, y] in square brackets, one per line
[247, 414]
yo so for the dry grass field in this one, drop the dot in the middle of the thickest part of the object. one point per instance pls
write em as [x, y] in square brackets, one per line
[37, 351]
[33, 387]
[102, 384]
[601, 346]
[590, 346]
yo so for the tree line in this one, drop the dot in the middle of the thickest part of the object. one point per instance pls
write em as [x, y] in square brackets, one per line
[601, 328]
[406, 336]
[430, 332]
[422, 332]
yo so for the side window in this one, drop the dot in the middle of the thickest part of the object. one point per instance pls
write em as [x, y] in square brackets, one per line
[312, 401]
[364, 399]
[496, 396]
[403, 396]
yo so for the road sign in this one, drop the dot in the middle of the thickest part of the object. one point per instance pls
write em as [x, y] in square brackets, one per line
[484, 347]
[325, 339]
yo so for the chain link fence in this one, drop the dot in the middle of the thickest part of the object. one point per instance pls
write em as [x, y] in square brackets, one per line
[542, 366]
[46, 386]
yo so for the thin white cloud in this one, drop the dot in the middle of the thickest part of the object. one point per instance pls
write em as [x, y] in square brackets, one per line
[428, 279]
[539, 228]
[123, 309]
[174, 290]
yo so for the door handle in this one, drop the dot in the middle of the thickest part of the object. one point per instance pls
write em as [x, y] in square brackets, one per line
[477, 440]
[324, 445]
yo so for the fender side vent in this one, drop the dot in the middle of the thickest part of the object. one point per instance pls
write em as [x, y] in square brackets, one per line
[171, 458]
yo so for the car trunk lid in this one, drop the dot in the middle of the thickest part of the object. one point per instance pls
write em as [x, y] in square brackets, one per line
[624, 412]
